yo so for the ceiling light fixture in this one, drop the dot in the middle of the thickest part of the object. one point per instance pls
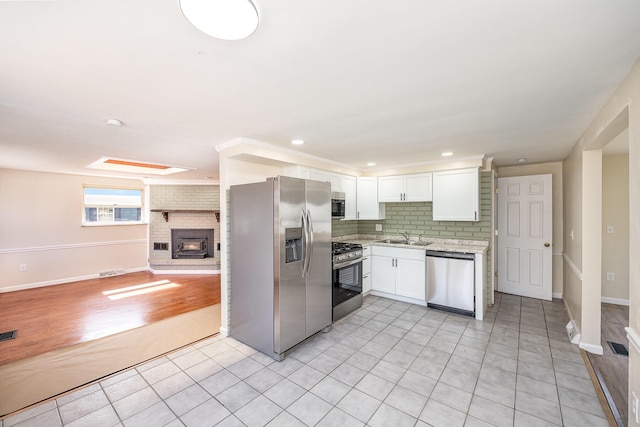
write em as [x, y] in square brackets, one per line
[114, 122]
[447, 154]
[297, 142]
[222, 19]
[371, 164]
[522, 159]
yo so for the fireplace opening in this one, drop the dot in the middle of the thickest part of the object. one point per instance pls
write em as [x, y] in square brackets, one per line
[192, 243]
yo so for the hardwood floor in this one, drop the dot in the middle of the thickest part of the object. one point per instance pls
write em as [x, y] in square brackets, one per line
[62, 315]
[613, 369]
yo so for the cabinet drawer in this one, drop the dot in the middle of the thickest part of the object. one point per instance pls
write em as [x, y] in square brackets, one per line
[417, 254]
[366, 265]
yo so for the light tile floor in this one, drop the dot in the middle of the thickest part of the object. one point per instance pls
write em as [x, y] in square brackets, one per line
[387, 364]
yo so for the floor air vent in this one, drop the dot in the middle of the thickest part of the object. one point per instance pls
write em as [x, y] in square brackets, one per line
[6, 336]
[618, 348]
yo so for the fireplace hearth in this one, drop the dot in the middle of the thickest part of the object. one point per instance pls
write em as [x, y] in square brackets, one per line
[192, 243]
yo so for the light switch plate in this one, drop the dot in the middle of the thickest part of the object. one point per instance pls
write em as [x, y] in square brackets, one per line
[378, 227]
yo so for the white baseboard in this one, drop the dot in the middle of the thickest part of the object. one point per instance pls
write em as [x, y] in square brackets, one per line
[224, 331]
[634, 338]
[557, 295]
[616, 301]
[591, 348]
[62, 281]
[154, 271]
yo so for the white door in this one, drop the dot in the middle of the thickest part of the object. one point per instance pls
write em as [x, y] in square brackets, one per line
[524, 236]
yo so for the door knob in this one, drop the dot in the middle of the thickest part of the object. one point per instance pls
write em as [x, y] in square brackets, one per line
[546, 245]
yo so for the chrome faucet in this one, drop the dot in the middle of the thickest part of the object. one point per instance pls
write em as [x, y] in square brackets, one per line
[406, 235]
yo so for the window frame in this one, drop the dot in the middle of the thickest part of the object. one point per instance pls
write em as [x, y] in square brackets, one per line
[97, 206]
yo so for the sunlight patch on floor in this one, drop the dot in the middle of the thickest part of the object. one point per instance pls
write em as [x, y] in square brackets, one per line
[142, 289]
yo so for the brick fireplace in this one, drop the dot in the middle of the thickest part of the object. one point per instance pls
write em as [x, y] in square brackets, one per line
[174, 209]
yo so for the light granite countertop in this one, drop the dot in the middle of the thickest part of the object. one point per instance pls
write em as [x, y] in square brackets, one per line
[427, 243]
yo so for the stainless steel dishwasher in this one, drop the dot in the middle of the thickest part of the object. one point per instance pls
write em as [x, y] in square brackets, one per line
[451, 281]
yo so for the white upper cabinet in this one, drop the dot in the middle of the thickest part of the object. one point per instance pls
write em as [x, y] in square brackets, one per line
[405, 188]
[367, 199]
[456, 195]
[348, 186]
[296, 171]
[332, 178]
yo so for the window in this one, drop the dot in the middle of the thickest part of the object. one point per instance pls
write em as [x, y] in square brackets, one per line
[109, 206]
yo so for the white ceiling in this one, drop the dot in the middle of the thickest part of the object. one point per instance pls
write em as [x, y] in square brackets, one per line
[393, 82]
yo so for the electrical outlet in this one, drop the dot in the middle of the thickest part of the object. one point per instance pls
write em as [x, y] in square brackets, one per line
[378, 227]
[611, 277]
[23, 267]
[634, 407]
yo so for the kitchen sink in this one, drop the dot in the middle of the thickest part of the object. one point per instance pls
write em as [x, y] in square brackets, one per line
[404, 242]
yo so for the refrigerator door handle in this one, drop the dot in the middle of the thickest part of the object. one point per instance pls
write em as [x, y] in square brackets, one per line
[310, 243]
[305, 244]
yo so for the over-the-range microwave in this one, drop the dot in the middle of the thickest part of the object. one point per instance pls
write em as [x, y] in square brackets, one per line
[337, 205]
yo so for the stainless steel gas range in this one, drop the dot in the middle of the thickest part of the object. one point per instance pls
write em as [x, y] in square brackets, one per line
[347, 278]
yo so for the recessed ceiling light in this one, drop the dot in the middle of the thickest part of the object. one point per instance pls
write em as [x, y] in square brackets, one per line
[114, 122]
[133, 166]
[522, 159]
[222, 19]
[371, 164]
[447, 154]
[297, 142]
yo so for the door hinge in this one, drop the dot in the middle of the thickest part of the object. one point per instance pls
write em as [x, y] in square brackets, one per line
[496, 274]
[497, 191]
[496, 231]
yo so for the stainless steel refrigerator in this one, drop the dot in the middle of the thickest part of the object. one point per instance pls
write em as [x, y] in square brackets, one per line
[280, 262]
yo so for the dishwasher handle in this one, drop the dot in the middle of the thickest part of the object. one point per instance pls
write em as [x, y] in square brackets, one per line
[454, 255]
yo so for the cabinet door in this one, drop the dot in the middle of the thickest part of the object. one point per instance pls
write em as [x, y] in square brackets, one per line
[383, 274]
[348, 184]
[390, 188]
[296, 171]
[367, 197]
[410, 278]
[418, 188]
[324, 176]
[456, 195]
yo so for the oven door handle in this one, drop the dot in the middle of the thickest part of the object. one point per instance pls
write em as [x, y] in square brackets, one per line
[346, 263]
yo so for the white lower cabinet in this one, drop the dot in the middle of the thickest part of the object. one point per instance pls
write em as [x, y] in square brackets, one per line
[398, 271]
[366, 270]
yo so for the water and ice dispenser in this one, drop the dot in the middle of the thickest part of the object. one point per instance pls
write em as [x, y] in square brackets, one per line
[293, 244]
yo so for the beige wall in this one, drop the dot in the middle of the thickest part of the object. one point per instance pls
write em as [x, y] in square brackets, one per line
[555, 169]
[40, 225]
[621, 110]
[572, 205]
[615, 212]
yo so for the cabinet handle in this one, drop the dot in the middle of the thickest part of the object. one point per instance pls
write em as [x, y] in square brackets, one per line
[475, 215]
[365, 258]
